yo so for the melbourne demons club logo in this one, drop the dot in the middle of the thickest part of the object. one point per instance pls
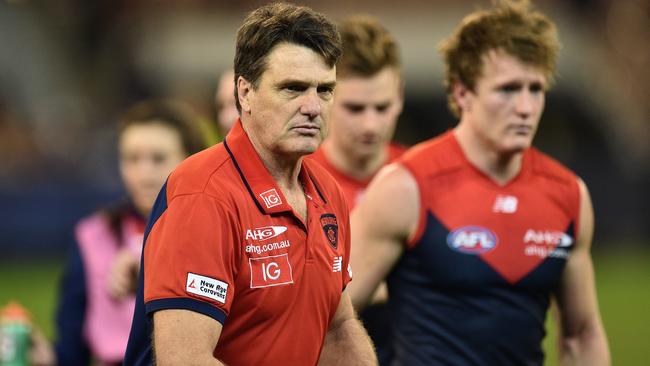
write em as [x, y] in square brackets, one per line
[271, 198]
[331, 229]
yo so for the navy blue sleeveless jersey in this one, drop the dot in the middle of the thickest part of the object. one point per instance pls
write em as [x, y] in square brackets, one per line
[474, 283]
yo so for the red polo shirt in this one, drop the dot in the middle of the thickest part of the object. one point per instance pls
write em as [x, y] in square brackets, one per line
[229, 246]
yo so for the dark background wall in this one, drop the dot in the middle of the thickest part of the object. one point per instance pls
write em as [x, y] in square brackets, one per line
[68, 68]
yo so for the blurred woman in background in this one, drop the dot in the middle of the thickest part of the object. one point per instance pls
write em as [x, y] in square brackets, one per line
[97, 299]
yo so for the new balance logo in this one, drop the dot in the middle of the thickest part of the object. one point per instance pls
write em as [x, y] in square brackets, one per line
[505, 204]
[337, 264]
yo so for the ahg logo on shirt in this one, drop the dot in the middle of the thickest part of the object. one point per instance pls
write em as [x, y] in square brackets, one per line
[264, 233]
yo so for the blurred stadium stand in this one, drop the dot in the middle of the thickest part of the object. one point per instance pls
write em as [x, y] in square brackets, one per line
[69, 67]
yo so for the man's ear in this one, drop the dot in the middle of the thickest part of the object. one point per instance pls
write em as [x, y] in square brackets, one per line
[244, 93]
[401, 96]
[462, 96]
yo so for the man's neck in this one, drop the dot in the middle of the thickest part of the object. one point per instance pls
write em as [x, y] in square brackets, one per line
[360, 168]
[284, 170]
[500, 167]
[286, 174]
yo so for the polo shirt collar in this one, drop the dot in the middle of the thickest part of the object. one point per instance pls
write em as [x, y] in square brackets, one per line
[258, 181]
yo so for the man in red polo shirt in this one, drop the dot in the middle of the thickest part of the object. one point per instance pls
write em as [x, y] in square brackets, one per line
[369, 99]
[246, 256]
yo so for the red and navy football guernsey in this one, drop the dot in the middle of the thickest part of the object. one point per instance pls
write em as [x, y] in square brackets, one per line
[223, 241]
[473, 285]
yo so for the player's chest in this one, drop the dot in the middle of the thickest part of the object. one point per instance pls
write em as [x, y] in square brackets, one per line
[486, 235]
[284, 258]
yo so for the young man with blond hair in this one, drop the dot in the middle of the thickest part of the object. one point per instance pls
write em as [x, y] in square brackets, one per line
[475, 230]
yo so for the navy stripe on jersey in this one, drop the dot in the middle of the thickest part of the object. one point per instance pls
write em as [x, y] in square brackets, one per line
[243, 178]
[158, 209]
[187, 304]
[138, 351]
[317, 189]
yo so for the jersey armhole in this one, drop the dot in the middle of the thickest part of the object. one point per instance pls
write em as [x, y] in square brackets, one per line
[578, 209]
[416, 235]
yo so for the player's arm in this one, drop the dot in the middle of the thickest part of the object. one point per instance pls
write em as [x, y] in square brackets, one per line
[186, 324]
[381, 224]
[184, 337]
[582, 336]
[346, 341]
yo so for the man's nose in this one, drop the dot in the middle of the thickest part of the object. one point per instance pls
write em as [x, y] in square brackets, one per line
[524, 104]
[311, 104]
[369, 120]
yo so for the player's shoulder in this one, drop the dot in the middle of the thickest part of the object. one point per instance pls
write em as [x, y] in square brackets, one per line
[395, 151]
[544, 165]
[197, 173]
[436, 156]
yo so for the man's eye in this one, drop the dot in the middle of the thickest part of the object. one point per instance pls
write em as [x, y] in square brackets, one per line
[536, 88]
[129, 158]
[510, 88]
[295, 88]
[353, 108]
[382, 108]
[158, 158]
[325, 90]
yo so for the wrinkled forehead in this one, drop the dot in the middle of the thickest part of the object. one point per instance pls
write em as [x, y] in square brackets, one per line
[294, 61]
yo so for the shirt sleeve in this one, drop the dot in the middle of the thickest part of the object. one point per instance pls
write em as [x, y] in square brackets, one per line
[191, 257]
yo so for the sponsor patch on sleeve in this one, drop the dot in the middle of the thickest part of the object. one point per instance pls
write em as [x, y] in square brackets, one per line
[207, 287]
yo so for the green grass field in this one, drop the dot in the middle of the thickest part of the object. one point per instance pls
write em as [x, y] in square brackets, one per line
[623, 282]
[623, 289]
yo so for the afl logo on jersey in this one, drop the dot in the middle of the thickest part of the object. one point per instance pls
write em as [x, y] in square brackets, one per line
[472, 240]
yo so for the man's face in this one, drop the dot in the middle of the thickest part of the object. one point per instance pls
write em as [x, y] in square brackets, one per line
[287, 113]
[506, 106]
[365, 113]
